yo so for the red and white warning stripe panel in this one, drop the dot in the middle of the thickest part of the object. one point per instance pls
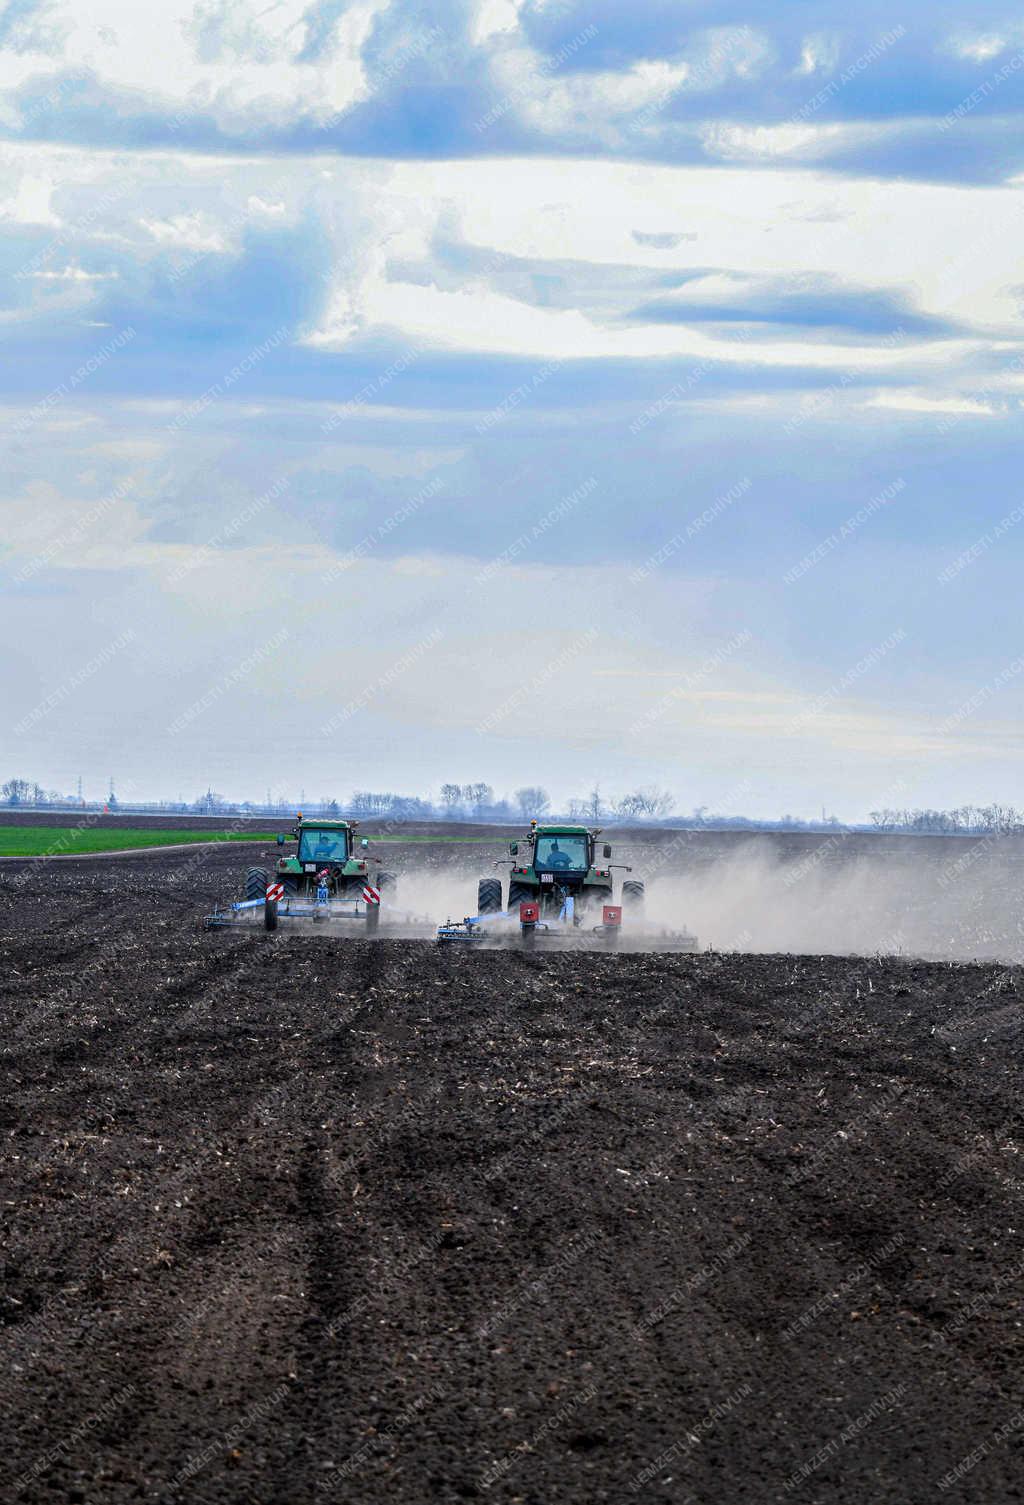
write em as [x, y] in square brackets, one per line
[371, 894]
[275, 891]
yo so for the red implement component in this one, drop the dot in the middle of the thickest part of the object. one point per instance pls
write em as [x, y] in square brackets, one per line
[275, 892]
[529, 912]
[611, 914]
[371, 894]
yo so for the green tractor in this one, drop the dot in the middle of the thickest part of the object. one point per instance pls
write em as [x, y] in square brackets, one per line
[330, 865]
[561, 877]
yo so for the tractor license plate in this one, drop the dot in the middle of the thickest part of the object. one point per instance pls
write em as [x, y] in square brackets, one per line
[309, 867]
[547, 877]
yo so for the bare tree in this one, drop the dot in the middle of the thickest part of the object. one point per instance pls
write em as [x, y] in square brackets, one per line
[532, 801]
[372, 802]
[657, 802]
[451, 798]
[477, 796]
[644, 804]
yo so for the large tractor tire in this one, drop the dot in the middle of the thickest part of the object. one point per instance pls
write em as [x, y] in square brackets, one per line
[488, 896]
[633, 897]
[387, 885]
[519, 893]
[291, 887]
[256, 883]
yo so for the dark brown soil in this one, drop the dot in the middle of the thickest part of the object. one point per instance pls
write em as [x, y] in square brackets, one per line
[291, 1218]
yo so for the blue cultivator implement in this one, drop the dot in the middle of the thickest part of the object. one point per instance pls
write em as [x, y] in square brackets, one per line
[318, 905]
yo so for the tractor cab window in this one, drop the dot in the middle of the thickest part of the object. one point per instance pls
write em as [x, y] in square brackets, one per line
[323, 846]
[560, 854]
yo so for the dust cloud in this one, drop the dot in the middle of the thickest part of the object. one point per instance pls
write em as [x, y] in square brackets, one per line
[954, 898]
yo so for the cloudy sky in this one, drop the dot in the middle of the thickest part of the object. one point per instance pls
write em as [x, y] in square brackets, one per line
[397, 391]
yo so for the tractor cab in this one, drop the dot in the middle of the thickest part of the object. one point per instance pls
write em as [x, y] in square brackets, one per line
[562, 852]
[323, 845]
[554, 861]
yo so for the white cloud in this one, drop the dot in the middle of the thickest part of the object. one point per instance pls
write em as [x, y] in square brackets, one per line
[585, 105]
[793, 141]
[46, 528]
[980, 48]
[920, 402]
[31, 204]
[494, 18]
[74, 274]
[137, 448]
[236, 60]
[818, 54]
[186, 231]
[614, 106]
[376, 217]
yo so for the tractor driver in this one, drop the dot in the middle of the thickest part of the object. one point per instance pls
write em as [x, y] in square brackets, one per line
[558, 858]
[325, 846]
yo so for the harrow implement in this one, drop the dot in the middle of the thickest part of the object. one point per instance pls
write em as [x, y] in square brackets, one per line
[320, 908]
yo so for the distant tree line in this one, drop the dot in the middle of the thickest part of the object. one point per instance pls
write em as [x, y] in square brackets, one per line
[21, 792]
[965, 820]
[478, 802]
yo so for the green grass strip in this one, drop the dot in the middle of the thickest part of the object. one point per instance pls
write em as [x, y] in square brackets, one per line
[52, 841]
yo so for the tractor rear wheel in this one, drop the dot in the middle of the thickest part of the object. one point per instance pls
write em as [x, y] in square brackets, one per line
[488, 896]
[387, 883]
[256, 883]
[633, 896]
[520, 893]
